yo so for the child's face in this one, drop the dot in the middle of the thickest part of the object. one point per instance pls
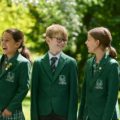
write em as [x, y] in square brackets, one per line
[9, 45]
[92, 44]
[56, 44]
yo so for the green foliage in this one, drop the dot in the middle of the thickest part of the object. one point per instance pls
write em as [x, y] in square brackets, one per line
[15, 16]
[104, 13]
[57, 12]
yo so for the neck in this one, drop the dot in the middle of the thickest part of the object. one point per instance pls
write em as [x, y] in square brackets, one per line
[54, 53]
[9, 56]
[99, 55]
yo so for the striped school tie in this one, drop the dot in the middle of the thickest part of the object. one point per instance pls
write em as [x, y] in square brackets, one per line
[53, 60]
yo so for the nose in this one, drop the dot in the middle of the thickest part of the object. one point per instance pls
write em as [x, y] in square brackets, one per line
[86, 42]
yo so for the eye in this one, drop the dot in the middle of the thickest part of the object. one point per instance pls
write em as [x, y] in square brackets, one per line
[61, 39]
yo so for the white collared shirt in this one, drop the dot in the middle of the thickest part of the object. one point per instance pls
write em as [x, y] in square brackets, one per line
[51, 55]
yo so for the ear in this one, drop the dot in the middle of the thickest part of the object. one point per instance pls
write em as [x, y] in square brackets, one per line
[18, 44]
[97, 42]
[47, 39]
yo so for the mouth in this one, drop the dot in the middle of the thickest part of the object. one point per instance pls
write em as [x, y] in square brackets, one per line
[4, 48]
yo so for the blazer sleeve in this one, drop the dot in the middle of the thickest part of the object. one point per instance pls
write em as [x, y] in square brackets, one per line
[23, 86]
[113, 85]
[73, 101]
[34, 92]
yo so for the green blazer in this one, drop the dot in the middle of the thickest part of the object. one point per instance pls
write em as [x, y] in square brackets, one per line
[14, 82]
[58, 92]
[99, 93]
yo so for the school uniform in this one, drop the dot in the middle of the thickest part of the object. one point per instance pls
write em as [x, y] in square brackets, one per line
[14, 85]
[54, 93]
[100, 90]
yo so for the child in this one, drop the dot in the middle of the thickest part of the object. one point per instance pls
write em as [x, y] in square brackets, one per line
[101, 83]
[54, 80]
[14, 75]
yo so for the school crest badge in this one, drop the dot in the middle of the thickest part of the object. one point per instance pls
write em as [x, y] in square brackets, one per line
[99, 84]
[62, 80]
[10, 77]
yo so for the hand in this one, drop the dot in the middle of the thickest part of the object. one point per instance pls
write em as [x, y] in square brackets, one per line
[6, 113]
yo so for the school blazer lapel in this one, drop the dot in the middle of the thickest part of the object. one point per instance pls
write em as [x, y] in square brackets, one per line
[89, 71]
[4, 72]
[11, 63]
[61, 63]
[46, 66]
[102, 68]
[90, 67]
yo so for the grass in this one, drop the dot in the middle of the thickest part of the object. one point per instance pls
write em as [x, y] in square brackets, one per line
[26, 107]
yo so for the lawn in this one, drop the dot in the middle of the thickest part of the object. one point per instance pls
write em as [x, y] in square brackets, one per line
[26, 107]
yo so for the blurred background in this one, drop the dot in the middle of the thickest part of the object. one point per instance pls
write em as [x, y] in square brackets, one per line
[78, 16]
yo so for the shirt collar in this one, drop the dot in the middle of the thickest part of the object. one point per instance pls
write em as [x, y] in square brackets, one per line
[51, 55]
[102, 60]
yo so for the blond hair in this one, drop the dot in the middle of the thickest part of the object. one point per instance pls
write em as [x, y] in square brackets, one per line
[56, 30]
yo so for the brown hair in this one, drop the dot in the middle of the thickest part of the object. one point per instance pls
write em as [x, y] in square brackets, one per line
[104, 36]
[56, 29]
[19, 36]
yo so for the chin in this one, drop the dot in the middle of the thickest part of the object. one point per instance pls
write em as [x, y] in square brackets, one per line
[89, 51]
[59, 51]
[4, 53]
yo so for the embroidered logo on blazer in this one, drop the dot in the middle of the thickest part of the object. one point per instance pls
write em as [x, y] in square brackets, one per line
[99, 84]
[62, 80]
[10, 77]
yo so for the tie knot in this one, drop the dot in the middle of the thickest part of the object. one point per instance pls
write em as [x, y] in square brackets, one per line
[53, 59]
